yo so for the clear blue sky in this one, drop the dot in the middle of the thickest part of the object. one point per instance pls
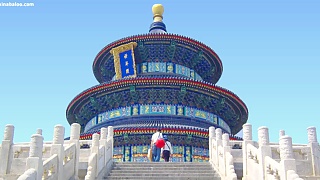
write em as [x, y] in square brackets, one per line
[270, 50]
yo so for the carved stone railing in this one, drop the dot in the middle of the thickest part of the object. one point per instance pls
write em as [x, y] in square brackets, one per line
[253, 162]
[69, 161]
[92, 167]
[30, 174]
[292, 175]
[272, 169]
[50, 168]
[59, 159]
[100, 160]
[230, 171]
[287, 163]
[220, 154]
[278, 160]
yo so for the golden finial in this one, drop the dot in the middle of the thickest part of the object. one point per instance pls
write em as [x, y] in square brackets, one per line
[157, 11]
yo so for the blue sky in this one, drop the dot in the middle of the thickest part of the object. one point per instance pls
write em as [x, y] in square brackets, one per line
[269, 50]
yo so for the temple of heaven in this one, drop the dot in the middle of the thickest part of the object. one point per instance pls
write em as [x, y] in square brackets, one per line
[157, 80]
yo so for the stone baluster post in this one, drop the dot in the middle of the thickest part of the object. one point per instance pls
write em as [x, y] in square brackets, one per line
[247, 132]
[226, 149]
[95, 149]
[315, 152]
[58, 134]
[104, 133]
[74, 138]
[110, 143]
[211, 141]
[57, 148]
[6, 150]
[247, 139]
[110, 132]
[218, 143]
[225, 140]
[264, 149]
[39, 131]
[286, 155]
[219, 135]
[103, 142]
[109, 154]
[281, 133]
[35, 155]
[95, 143]
[263, 136]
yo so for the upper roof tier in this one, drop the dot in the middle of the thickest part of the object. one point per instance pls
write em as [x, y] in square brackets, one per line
[158, 46]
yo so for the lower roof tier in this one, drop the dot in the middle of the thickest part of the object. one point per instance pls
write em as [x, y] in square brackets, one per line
[176, 91]
[178, 135]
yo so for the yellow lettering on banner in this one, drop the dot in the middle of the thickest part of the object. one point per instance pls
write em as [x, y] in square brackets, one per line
[144, 68]
[125, 60]
[169, 109]
[135, 111]
[203, 115]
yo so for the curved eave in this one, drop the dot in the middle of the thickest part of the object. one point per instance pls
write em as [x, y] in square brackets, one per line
[213, 57]
[79, 100]
[119, 131]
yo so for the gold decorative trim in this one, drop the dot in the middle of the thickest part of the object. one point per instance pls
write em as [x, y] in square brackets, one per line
[116, 58]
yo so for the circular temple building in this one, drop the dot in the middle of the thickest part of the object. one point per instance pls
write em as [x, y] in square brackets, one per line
[157, 80]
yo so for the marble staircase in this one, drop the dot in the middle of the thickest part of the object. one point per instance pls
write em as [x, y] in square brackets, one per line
[162, 170]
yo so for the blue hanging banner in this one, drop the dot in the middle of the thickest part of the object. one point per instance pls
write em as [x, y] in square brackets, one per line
[124, 63]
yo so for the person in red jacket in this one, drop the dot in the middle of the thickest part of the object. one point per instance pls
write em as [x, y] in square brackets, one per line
[156, 151]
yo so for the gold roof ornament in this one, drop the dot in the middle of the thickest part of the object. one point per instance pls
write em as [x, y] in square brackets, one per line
[157, 10]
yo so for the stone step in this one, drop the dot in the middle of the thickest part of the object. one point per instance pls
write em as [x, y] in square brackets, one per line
[162, 174]
[310, 177]
[163, 168]
[161, 164]
[166, 178]
[170, 171]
